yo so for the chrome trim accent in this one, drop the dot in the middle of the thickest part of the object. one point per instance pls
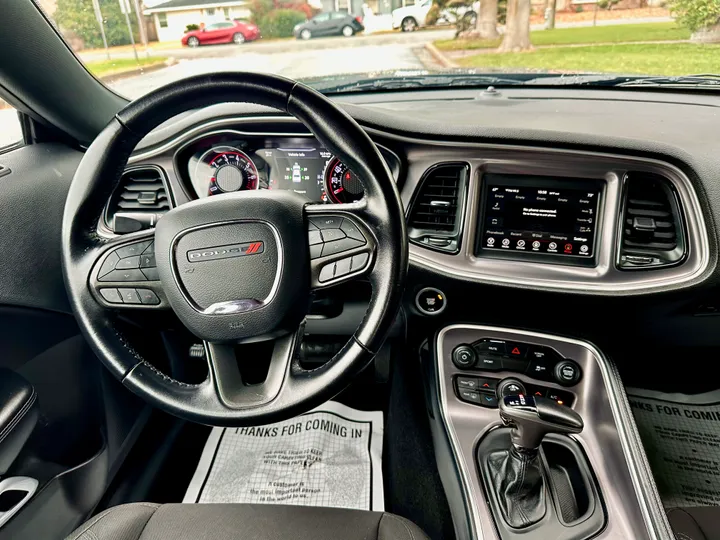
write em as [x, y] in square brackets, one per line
[616, 400]
[243, 305]
[20, 483]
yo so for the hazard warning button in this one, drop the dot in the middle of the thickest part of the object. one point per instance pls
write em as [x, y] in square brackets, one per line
[516, 350]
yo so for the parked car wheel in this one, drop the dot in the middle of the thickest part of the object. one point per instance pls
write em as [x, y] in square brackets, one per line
[305, 34]
[193, 41]
[409, 24]
[348, 31]
[238, 38]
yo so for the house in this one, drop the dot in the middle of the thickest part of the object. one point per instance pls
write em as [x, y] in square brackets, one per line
[173, 16]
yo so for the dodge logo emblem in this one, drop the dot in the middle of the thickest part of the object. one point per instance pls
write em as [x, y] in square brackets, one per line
[225, 252]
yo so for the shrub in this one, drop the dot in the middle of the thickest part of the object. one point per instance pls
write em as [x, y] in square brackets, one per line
[280, 23]
[191, 27]
[696, 14]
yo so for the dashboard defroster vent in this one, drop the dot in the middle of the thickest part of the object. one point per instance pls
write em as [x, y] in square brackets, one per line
[435, 216]
[652, 232]
[140, 199]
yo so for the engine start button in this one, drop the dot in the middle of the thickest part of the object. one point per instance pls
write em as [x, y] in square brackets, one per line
[430, 301]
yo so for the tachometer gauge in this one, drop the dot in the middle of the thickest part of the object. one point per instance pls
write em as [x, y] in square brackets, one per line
[224, 169]
[341, 184]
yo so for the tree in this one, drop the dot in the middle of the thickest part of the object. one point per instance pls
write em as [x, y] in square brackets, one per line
[602, 4]
[487, 20]
[702, 17]
[517, 30]
[78, 17]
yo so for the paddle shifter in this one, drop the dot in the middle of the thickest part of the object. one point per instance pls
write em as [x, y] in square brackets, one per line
[516, 473]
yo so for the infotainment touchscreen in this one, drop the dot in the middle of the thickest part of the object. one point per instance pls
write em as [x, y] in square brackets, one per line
[539, 215]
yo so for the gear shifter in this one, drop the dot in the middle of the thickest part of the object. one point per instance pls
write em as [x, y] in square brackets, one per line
[532, 417]
[516, 473]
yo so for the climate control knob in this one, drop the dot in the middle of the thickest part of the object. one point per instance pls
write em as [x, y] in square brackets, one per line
[464, 356]
[567, 372]
[510, 387]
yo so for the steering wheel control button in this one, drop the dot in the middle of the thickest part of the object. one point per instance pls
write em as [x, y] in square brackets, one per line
[111, 295]
[359, 261]
[567, 372]
[351, 230]
[491, 346]
[150, 274]
[327, 273]
[330, 235]
[464, 356]
[129, 296]
[124, 275]
[109, 265]
[133, 249]
[338, 246]
[314, 237]
[430, 301]
[148, 297]
[327, 222]
[316, 251]
[342, 267]
[147, 260]
[128, 262]
[467, 383]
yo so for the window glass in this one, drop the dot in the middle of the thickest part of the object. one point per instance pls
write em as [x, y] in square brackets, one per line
[162, 20]
[322, 17]
[210, 12]
[10, 129]
[226, 13]
[338, 15]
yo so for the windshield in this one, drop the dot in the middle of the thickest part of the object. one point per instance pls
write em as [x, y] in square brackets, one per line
[134, 46]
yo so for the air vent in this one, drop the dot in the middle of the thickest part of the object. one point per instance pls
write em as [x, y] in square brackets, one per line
[435, 217]
[138, 202]
[652, 228]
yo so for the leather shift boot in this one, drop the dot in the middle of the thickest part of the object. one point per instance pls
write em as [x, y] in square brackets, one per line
[518, 481]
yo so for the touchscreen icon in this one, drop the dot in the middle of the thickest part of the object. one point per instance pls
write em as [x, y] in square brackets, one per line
[490, 241]
[536, 245]
[568, 248]
[521, 243]
[583, 249]
[505, 242]
[552, 246]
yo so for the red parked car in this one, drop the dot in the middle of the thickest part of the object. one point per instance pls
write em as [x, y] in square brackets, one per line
[222, 32]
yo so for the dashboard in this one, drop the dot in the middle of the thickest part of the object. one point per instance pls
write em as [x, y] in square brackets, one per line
[228, 161]
[534, 216]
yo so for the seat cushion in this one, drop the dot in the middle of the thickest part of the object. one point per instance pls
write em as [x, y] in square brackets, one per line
[143, 521]
[700, 523]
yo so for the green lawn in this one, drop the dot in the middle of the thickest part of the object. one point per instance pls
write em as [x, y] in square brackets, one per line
[659, 59]
[667, 31]
[120, 65]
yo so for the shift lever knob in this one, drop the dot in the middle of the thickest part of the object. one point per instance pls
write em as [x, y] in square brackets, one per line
[532, 417]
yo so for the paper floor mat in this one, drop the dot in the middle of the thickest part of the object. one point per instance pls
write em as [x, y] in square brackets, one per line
[331, 456]
[681, 435]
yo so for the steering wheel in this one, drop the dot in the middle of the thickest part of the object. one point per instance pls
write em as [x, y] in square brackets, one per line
[239, 267]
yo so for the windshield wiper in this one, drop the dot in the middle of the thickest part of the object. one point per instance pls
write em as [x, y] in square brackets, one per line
[424, 81]
[701, 80]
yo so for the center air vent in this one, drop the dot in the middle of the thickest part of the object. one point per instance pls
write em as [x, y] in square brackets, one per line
[140, 199]
[652, 227]
[435, 217]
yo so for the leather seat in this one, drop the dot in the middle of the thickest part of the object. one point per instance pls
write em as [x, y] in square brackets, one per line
[701, 523]
[145, 521]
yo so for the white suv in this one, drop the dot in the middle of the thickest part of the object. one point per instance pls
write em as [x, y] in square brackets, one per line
[411, 18]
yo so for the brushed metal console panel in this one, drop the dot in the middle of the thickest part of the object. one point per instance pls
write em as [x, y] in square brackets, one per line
[609, 439]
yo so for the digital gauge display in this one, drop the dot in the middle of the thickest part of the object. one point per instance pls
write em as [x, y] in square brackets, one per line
[298, 169]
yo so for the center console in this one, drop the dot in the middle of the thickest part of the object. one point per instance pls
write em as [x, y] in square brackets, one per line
[534, 438]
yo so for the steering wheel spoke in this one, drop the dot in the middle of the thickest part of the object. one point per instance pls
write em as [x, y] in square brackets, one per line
[225, 373]
[125, 275]
[342, 248]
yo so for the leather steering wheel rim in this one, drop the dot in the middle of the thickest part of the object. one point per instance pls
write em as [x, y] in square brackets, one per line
[380, 212]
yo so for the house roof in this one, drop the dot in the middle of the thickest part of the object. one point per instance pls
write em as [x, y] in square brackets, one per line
[184, 5]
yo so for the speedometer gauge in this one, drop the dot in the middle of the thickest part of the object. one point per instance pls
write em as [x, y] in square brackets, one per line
[341, 184]
[224, 169]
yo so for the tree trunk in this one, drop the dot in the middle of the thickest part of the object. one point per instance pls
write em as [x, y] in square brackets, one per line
[487, 20]
[517, 31]
[711, 34]
[551, 18]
